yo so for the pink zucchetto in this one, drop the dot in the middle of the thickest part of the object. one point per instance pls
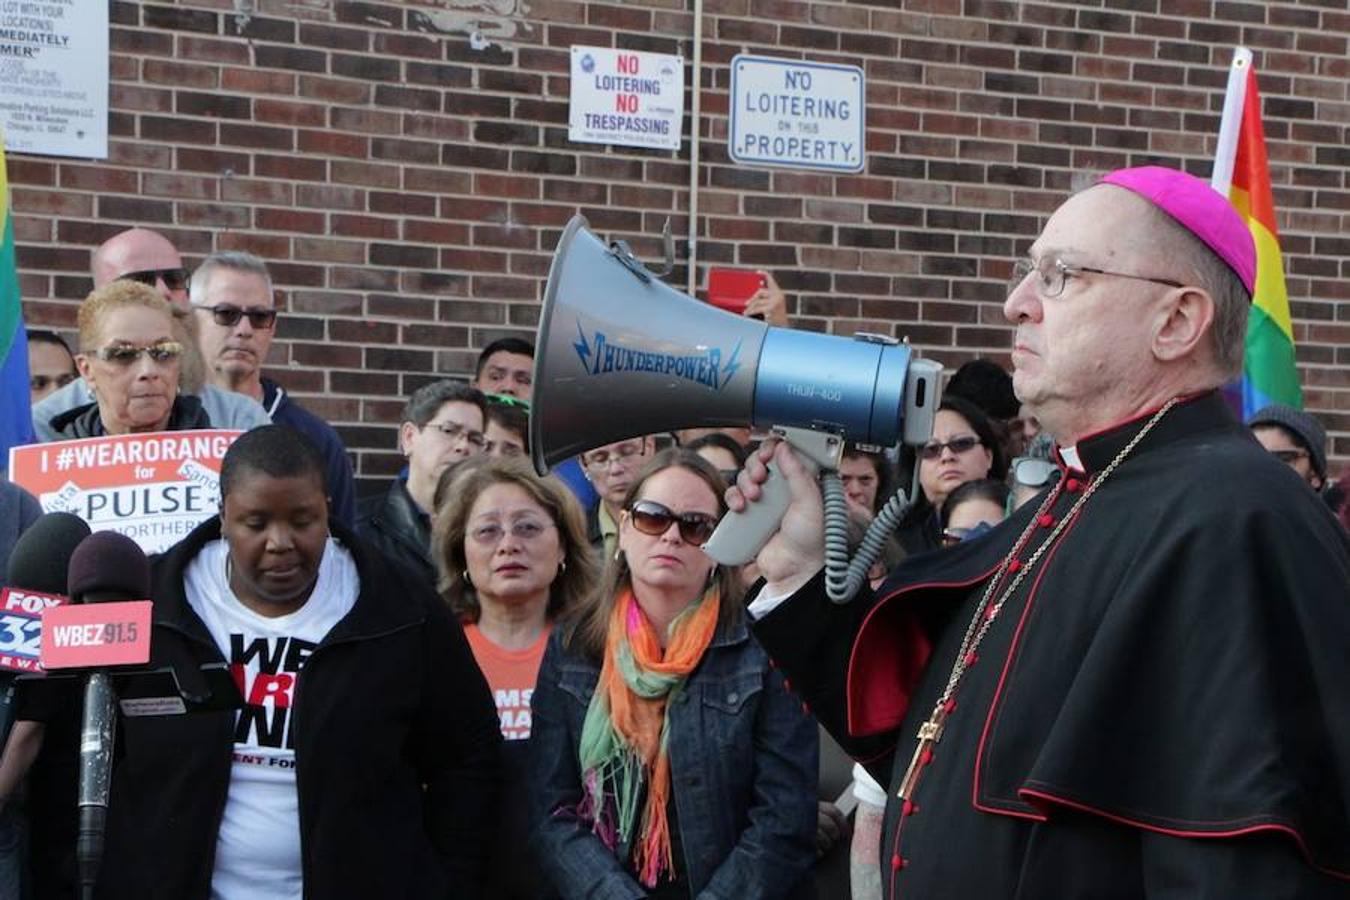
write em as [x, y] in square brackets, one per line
[1200, 209]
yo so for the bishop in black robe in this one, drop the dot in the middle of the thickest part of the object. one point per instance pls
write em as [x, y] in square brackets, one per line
[1160, 709]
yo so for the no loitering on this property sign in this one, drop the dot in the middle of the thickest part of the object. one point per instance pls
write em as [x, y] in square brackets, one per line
[798, 114]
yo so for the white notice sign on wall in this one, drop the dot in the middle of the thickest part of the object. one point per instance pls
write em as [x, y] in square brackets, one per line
[805, 115]
[625, 97]
[54, 77]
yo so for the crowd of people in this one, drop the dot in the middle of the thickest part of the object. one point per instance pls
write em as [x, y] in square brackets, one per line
[481, 682]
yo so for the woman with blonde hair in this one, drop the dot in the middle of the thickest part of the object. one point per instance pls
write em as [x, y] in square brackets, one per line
[513, 556]
[131, 359]
[668, 759]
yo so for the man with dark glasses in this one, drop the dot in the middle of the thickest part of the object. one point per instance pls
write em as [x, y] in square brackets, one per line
[145, 256]
[232, 301]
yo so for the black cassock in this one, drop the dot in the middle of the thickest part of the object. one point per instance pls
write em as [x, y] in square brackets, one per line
[1161, 708]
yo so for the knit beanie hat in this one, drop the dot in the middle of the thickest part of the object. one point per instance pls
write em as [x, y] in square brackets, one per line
[1303, 426]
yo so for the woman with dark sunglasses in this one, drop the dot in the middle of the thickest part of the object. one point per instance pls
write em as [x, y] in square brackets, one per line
[964, 447]
[131, 359]
[667, 758]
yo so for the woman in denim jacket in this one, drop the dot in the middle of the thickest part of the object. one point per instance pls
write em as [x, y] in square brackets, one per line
[667, 758]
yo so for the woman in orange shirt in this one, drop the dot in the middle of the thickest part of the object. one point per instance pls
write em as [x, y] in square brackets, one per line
[513, 556]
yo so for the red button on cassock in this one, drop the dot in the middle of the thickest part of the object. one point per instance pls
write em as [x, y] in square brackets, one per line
[1045, 520]
[1073, 485]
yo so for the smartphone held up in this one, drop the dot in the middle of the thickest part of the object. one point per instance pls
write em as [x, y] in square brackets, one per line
[731, 289]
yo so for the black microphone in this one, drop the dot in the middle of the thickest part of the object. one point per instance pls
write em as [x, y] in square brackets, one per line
[39, 563]
[106, 567]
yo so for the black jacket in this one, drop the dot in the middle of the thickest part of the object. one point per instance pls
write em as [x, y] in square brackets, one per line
[84, 421]
[1158, 710]
[394, 525]
[338, 474]
[396, 753]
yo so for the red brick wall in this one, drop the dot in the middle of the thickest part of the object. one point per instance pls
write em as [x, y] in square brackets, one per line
[408, 189]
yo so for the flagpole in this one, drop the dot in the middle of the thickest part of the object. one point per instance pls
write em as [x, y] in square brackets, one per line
[1231, 122]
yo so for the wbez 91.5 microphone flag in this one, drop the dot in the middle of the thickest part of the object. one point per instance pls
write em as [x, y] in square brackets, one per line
[35, 581]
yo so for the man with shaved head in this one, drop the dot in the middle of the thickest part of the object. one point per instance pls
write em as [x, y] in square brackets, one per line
[1137, 686]
[147, 256]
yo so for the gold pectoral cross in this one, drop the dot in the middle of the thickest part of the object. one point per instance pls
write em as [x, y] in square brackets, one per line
[929, 734]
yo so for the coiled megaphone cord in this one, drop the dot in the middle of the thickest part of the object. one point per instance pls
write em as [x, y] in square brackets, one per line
[843, 577]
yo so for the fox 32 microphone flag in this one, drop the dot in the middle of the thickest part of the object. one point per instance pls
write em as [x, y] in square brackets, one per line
[1242, 173]
[16, 418]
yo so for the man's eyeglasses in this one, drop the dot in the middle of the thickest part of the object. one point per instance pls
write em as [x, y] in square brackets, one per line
[958, 445]
[521, 529]
[228, 316]
[1051, 273]
[174, 279]
[650, 517]
[42, 382]
[1289, 457]
[1032, 472]
[125, 354]
[454, 431]
[624, 454]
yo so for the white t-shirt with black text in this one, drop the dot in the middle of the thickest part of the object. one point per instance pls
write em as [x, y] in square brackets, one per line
[258, 848]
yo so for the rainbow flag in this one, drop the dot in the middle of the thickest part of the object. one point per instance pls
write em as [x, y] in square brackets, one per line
[16, 418]
[1243, 174]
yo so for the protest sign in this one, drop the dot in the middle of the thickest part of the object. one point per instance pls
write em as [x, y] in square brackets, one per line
[154, 487]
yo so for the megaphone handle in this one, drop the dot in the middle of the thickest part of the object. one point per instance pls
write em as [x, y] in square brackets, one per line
[741, 535]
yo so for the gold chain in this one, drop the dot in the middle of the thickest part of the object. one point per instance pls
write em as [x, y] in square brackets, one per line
[985, 614]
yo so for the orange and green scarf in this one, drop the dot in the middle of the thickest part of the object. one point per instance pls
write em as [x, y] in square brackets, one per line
[624, 736]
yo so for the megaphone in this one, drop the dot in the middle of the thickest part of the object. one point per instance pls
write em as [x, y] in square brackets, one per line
[621, 354]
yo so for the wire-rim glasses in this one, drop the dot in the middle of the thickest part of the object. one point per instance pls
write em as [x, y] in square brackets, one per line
[1052, 273]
